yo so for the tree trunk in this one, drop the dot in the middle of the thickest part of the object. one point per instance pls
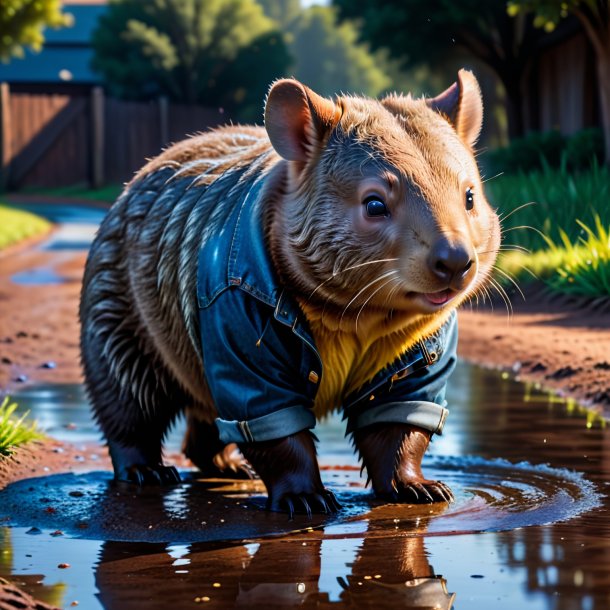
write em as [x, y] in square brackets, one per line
[511, 79]
[603, 77]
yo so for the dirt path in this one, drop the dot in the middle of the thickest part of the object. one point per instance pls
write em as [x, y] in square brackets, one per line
[562, 348]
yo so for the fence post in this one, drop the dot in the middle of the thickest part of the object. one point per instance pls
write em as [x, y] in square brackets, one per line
[5, 136]
[97, 137]
[164, 121]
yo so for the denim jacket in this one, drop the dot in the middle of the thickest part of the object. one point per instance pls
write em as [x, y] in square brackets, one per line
[260, 359]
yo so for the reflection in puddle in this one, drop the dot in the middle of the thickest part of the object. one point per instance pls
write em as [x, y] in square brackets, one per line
[370, 556]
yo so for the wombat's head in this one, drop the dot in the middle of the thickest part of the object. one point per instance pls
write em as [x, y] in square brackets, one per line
[383, 206]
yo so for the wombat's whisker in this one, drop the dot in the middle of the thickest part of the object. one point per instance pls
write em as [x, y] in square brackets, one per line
[510, 278]
[366, 287]
[492, 178]
[524, 205]
[514, 248]
[350, 268]
[504, 231]
[392, 279]
[500, 290]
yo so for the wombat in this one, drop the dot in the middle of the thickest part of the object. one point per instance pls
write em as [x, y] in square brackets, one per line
[260, 278]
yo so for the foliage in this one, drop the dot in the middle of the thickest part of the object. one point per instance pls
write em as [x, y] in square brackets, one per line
[548, 13]
[22, 23]
[220, 53]
[537, 150]
[283, 12]
[428, 33]
[16, 225]
[549, 200]
[330, 59]
[14, 432]
[579, 268]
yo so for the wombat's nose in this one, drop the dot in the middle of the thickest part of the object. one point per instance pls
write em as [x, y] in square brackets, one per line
[449, 262]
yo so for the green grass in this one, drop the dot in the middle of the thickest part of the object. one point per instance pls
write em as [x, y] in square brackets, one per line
[16, 225]
[108, 193]
[556, 227]
[585, 268]
[541, 204]
[14, 431]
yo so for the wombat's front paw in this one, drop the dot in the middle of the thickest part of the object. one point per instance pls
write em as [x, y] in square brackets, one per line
[421, 491]
[140, 474]
[304, 503]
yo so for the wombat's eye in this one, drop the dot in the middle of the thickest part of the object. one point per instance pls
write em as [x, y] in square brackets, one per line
[375, 207]
[469, 199]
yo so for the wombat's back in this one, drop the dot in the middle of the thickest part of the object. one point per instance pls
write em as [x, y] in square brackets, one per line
[138, 313]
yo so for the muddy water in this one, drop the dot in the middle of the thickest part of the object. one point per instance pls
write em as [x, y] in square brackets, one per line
[529, 528]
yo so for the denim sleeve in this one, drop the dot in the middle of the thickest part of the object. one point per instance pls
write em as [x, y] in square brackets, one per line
[253, 366]
[418, 398]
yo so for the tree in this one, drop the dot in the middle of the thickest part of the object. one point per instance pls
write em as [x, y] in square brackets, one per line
[22, 23]
[594, 16]
[283, 12]
[218, 52]
[329, 58]
[418, 32]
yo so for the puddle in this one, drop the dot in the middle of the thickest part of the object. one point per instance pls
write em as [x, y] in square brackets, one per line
[39, 276]
[491, 495]
[529, 528]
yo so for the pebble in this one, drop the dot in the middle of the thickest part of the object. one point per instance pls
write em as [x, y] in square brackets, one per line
[6, 360]
[48, 365]
[63, 566]
[21, 378]
[34, 531]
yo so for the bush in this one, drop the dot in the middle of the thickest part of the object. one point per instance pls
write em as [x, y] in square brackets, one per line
[536, 151]
[584, 148]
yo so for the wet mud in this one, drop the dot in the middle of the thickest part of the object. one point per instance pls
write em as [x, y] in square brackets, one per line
[529, 528]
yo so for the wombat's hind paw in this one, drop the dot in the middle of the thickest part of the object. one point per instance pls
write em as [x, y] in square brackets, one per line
[307, 504]
[232, 460]
[141, 474]
[423, 492]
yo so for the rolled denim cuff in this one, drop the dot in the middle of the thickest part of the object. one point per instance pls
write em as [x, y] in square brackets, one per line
[424, 414]
[266, 427]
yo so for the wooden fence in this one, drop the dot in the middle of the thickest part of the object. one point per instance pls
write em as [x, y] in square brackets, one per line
[54, 140]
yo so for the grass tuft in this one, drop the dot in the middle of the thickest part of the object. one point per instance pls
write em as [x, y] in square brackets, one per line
[14, 431]
[16, 225]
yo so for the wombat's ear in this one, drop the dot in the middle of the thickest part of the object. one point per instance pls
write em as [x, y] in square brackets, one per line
[462, 105]
[297, 119]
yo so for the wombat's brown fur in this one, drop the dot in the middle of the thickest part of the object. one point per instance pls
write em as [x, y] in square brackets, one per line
[141, 345]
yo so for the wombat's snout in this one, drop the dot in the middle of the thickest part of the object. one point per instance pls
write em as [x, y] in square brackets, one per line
[452, 263]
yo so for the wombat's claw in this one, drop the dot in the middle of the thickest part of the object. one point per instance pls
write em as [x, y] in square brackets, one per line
[424, 492]
[141, 474]
[308, 504]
